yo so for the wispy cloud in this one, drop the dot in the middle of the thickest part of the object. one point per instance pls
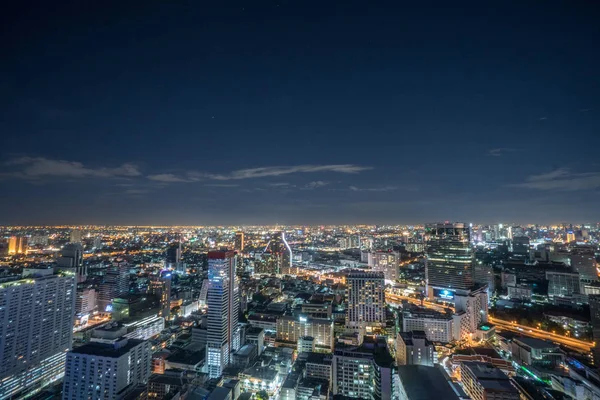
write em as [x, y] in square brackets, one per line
[315, 184]
[562, 179]
[373, 189]
[40, 167]
[262, 172]
[225, 185]
[502, 151]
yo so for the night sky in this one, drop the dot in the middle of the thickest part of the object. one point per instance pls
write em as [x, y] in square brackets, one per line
[300, 112]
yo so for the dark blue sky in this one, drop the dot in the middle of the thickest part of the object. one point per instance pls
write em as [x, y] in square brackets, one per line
[194, 112]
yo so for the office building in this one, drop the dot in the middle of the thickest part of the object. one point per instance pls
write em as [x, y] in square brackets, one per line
[365, 294]
[17, 245]
[223, 334]
[173, 258]
[475, 306]
[387, 262]
[86, 301]
[160, 286]
[277, 256]
[413, 348]
[594, 301]
[449, 263]
[115, 283]
[291, 329]
[583, 261]
[36, 327]
[256, 336]
[438, 327]
[520, 246]
[418, 382]
[483, 381]
[306, 344]
[365, 372]
[239, 242]
[97, 244]
[76, 236]
[563, 284]
[98, 371]
[39, 240]
[536, 352]
[71, 259]
[317, 309]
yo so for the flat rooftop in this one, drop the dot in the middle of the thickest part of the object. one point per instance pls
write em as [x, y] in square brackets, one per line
[425, 383]
[106, 350]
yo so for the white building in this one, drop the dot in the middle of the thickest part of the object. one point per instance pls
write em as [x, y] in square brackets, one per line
[291, 330]
[387, 262]
[36, 331]
[86, 301]
[106, 371]
[365, 294]
[223, 336]
[437, 327]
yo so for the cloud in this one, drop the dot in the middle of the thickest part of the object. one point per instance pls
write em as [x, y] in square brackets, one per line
[168, 178]
[562, 179]
[229, 185]
[262, 172]
[315, 184]
[501, 151]
[39, 167]
[375, 189]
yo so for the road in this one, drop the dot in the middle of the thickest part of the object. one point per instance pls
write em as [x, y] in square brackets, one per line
[575, 344]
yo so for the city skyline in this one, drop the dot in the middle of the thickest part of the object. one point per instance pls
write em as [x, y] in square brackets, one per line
[315, 115]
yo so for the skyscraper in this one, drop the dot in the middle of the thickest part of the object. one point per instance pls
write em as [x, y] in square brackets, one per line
[223, 336]
[239, 241]
[173, 258]
[365, 294]
[160, 286]
[36, 327]
[277, 257]
[17, 245]
[449, 264]
[387, 262]
[76, 236]
[71, 258]
[115, 284]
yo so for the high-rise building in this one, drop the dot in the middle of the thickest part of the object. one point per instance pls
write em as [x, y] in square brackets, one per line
[277, 256]
[223, 336]
[17, 245]
[39, 240]
[413, 348]
[474, 304]
[365, 295]
[98, 371]
[85, 303]
[563, 284]
[594, 301]
[583, 260]
[483, 381]
[291, 329]
[449, 264]
[387, 262]
[365, 372]
[76, 236]
[71, 258]
[36, 327]
[114, 284]
[160, 286]
[97, 242]
[520, 246]
[239, 241]
[173, 258]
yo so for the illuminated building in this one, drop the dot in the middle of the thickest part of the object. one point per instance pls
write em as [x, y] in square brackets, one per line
[239, 241]
[71, 259]
[583, 260]
[387, 262]
[160, 286]
[594, 301]
[570, 236]
[520, 245]
[483, 381]
[438, 327]
[17, 245]
[413, 348]
[85, 302]
[173, 258]
[223, 334]
[98, 371]
[291, 330]
[277, 257]
[36, 327]
[562, 284]
[449, 263]
[365, 294]
[114, 284]
[76, 236]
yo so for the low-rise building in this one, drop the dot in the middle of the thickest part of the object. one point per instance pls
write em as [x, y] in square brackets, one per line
[483, 381]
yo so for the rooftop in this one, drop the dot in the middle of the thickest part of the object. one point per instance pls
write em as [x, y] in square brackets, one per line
[107, 350]
[425, 383]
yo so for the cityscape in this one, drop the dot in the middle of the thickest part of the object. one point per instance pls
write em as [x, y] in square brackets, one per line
[300, 200]
[301, 312]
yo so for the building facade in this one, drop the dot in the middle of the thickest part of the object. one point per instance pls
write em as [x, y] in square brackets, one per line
[365, 294]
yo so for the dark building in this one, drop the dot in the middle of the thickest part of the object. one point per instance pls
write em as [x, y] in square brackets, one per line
[277, 256]
[594, 301]
[71, 258]
[520, 246]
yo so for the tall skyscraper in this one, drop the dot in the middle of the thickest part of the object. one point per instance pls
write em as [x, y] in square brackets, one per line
[98, 371]
[36, 327]
[365, 294]
[160, 286]
[239, 241]
[17, 245]
[115, 284]
[71, 258]
[223, 333]
[173, 258]
[277, 257]
[76, 236]
[449, 264]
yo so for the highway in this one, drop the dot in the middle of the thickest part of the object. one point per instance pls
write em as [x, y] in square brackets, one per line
[575, 344]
